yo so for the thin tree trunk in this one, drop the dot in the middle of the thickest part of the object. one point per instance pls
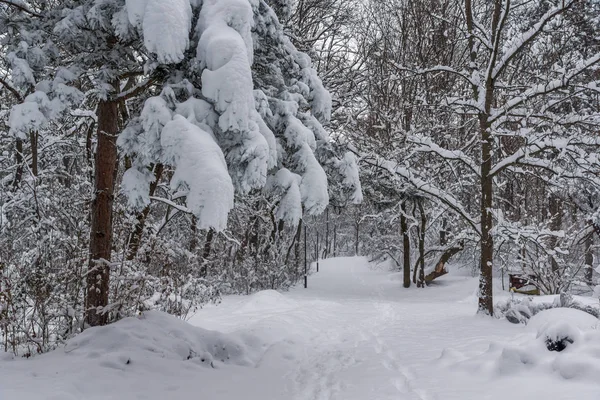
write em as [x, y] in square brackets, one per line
[19, 162]
[135, 237]
[297, 245]
[317, 250]
[555, 208]
[421, 282]
[305, 261]
[356, 240]
[335, 240]
[416, 267]
[206, 252]
[326, 248]
[589, 258]
[405, 245]
[194, 238]
[294, 245]
[33, 138]
[101, 224]
[444, 233]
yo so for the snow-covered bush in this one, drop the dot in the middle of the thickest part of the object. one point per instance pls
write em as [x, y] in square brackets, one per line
[521, 310]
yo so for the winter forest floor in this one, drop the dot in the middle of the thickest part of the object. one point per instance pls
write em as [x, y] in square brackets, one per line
[354, 334]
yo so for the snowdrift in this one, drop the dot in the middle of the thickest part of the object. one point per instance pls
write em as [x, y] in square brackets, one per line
[561, 341]
[159, 335]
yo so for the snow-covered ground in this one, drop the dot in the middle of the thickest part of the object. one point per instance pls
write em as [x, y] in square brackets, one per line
[355, 333]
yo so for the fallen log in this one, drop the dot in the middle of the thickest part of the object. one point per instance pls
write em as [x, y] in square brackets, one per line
[440, 267]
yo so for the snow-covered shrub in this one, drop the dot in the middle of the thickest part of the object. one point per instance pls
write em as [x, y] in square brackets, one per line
[521, 310]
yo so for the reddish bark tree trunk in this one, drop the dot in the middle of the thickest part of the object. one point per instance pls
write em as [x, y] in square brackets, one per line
[98, 277]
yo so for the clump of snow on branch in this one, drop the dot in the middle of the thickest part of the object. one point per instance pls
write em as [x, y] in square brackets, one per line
[165, 24]
[198, 112]
[135, 11]
[314, 181]
[301, 142]
[21, 73]
[287, 185]
[319, 97]
[348, 168]
[136, 187]
[37, 108]
[225, 51]
[25, 117]
[155, 115]
[199, 166]
[141, 139]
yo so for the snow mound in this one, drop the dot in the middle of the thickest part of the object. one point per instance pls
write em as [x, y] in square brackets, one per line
[560, 342]
[267, 300]
[570, 316]
[159, 335]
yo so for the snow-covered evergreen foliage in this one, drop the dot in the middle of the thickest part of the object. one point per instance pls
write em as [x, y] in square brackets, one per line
[219, 159]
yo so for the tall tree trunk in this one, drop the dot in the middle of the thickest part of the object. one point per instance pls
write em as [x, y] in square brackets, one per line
[405, 245]
[486, 301]
[101, 225]
[486, 304]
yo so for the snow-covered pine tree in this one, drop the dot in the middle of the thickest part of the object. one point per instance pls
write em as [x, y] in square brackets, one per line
[222, 123]
[258, 97]
[180, 85]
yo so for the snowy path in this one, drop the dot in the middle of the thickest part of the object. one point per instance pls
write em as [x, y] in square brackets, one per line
[358, 335]
[354, 334]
